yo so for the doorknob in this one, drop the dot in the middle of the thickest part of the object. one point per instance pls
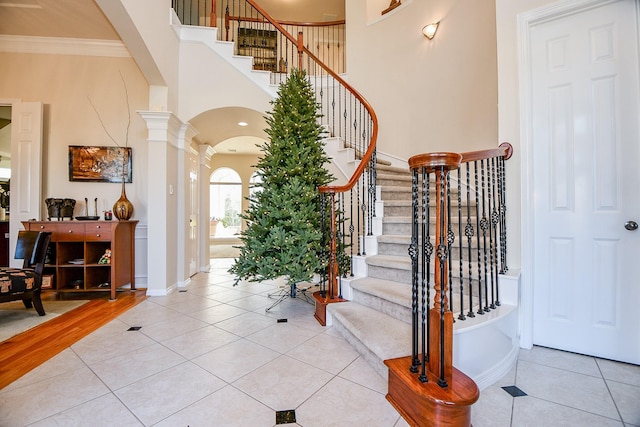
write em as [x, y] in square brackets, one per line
[631, 225]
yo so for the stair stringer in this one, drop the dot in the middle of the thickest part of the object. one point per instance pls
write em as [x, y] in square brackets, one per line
[208, 36]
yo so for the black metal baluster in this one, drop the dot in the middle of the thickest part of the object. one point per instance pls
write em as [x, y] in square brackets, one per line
[413, 253]
[490, 201]
[494, 237]
[442, 258]
[426, 262]
[477, 192]
[469, 232]
[461, 316]
[484, 225]
[503, 218]
[351, 227]
[450, 239]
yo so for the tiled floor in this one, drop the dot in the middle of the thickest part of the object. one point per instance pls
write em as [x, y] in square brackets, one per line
[211, 356]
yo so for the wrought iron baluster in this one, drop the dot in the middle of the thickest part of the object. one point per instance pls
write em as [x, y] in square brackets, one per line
[469, 232]
[427, 251]
[493, 235]
[479, 261]
[503, 222]
[450, 239]
[490, 191]
[484, 225]
[461, 316]
[413, 253]
[442, 272]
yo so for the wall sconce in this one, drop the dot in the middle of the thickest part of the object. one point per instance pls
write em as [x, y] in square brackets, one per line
[429, 31]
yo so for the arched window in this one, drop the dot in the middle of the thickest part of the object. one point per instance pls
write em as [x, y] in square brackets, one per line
[225, 203]
[255, 185]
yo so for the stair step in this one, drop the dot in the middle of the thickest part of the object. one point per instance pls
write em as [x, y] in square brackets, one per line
[375, 335]
[386, 296]
[387, 169]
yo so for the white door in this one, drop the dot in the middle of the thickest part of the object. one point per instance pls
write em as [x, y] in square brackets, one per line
[26, 169]
[586, 163]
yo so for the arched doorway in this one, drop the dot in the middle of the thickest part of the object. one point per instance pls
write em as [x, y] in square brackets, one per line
[225, 207]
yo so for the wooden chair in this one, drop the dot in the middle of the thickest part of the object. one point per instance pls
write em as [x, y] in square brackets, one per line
[25, 283]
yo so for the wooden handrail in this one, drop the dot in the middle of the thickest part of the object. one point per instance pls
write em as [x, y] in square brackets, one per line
[504, 150]
[292, 23]
[374, 119]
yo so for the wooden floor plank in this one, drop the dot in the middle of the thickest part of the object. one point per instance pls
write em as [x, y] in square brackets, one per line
[28, 350]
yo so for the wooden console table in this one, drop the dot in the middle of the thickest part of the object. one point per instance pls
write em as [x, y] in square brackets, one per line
[76, 247]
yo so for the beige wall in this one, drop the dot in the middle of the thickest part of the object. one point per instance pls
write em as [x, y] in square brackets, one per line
[64, 84]
[438, 95]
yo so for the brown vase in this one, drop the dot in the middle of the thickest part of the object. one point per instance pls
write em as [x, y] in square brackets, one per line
[123, 209]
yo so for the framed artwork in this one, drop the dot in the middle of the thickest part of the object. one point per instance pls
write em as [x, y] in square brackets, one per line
[100, 164]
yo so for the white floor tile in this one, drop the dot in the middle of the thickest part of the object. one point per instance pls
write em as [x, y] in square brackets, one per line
[235, 360]
[343, 403]
[105, 411]
[228, 406]
[534, 412]
[165, 393]
[36, 401]
[571, 389]
[283, 383]
[136, 365]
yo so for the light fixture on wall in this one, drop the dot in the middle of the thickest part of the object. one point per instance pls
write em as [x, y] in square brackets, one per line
[429, 31]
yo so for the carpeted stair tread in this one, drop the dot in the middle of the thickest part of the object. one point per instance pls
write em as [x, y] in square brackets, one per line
[390, 261]
[383, 335]
[399, 239]
[384, 168]
[395, 292]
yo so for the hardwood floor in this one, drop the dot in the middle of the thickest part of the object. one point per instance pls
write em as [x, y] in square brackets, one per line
[24, 352]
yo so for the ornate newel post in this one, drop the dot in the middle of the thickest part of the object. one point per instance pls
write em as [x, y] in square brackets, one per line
[425, 387]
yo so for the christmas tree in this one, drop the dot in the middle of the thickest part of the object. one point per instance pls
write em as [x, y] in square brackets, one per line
[283, 236]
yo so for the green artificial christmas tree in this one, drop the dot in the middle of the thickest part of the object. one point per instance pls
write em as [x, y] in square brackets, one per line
[283, 236]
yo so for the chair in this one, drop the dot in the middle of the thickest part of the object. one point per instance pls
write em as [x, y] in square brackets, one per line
[25, 283]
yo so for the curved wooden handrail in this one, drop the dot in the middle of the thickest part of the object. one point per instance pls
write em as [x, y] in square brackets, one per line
[374, 119]
[292, 23]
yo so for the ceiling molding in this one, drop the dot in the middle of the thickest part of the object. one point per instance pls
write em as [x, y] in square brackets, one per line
[63, 46]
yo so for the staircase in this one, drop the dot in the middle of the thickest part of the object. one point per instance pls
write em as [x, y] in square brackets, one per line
[377, 318]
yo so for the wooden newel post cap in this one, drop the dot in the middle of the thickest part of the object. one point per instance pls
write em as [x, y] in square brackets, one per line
[433, 161]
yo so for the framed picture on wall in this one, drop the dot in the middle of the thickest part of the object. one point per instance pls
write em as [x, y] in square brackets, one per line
[100, 164]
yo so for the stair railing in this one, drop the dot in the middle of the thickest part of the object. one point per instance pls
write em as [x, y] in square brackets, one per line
[319, 50]
[482, 222]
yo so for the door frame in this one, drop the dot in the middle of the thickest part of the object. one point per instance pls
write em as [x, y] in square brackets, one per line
[525, 22]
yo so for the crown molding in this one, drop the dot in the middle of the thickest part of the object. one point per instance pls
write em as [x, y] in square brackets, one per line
[63, 46]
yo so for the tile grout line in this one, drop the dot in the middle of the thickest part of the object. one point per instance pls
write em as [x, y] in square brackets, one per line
[606, 384]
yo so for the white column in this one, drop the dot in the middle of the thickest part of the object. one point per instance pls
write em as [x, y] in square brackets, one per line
[163, 257]
[206, 152]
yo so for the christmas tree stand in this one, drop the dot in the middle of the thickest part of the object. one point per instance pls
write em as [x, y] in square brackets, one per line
[291, 290]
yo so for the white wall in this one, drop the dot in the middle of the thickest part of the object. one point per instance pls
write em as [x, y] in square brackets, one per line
[438, 95]
[507, 12]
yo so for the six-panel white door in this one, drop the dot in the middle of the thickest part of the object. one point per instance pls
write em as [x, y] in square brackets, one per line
[586, 162]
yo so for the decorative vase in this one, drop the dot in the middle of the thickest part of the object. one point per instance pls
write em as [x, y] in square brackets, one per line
[123, 209]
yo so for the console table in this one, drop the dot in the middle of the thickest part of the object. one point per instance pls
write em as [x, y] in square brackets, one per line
[77, 246]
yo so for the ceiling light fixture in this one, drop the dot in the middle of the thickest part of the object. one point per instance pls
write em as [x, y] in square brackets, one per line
[429, 31]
